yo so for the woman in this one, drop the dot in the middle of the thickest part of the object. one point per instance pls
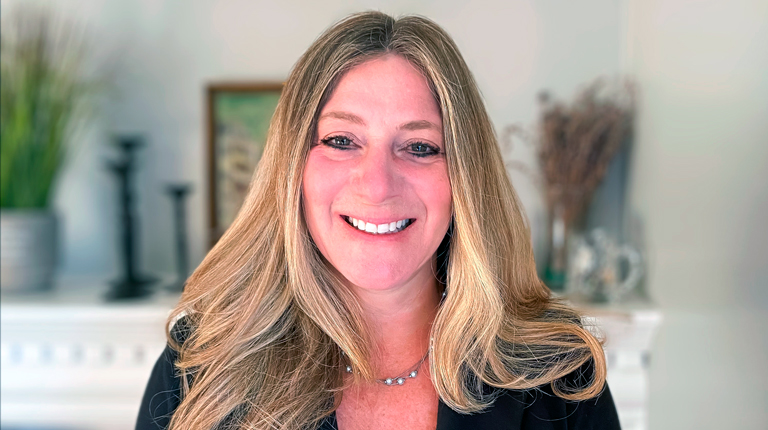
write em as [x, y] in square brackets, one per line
[380, 273]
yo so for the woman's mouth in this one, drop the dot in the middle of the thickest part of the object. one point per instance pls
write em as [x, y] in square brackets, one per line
[385, 228]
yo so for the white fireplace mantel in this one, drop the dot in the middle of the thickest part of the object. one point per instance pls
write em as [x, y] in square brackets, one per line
[72, 360]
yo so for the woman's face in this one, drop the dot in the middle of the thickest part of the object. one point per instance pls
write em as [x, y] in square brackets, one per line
[376, 194]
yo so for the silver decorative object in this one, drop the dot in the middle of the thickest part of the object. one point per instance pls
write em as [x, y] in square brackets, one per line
[601, 270]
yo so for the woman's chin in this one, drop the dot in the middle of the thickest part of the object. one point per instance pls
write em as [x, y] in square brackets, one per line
[375, 280]
[387, 277]
[370, 283]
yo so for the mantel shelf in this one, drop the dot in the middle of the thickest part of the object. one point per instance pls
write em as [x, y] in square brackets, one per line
[71, 358]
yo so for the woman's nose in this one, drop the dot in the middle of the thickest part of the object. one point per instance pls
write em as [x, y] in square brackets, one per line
[376, 177]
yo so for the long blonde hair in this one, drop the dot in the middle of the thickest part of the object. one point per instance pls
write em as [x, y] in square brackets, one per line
[269, 320]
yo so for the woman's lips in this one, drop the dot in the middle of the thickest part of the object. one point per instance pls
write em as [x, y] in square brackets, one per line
[382, 228]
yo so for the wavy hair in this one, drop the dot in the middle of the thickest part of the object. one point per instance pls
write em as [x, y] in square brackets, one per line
[270, 319]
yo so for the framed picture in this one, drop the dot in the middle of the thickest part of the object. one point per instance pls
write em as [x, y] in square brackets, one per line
[238, 120]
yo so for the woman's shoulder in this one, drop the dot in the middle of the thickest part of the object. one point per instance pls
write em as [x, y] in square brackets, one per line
[163, 393]
[543, 406]
[540, 409]
[543, 409]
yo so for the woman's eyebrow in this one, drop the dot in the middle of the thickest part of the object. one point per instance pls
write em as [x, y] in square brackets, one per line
[344, 116]
[409, 126]
[419, 125]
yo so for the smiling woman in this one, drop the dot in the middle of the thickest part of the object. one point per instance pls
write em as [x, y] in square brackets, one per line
[379, 159]
[380, 272]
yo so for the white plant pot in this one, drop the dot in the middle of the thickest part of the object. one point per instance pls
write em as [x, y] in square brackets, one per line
[28, 249]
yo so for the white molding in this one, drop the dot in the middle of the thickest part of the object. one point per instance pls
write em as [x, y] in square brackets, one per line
[70, 359]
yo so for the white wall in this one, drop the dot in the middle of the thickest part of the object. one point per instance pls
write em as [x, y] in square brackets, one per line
[700, 182]
[162, 53]
[701, 171]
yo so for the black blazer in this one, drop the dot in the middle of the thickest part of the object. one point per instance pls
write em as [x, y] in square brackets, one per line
[537, 409]
[526, 410]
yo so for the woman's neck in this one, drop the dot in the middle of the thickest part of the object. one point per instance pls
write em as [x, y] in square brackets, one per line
[400, 319]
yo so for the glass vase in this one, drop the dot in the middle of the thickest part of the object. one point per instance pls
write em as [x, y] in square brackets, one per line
[565, 206]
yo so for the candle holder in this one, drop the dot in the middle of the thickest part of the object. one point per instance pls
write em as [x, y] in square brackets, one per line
[178, 194]
[132, 284]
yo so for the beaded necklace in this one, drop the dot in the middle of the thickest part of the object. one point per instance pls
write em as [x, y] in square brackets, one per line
[412, 372]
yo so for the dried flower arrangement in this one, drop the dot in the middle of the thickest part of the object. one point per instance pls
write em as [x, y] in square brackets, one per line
[574, 146]
[576, 142]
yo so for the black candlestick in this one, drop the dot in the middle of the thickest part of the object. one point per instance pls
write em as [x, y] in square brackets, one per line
[132, 284]
[178, 193]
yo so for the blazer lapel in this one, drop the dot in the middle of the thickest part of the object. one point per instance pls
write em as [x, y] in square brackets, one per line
[506, 413]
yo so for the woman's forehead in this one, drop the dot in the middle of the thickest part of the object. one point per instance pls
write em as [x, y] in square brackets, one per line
[386, 87]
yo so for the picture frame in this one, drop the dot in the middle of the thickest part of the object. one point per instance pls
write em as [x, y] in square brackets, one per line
[238, 117]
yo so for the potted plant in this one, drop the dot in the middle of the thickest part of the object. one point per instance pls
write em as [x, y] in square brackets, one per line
[42, 98]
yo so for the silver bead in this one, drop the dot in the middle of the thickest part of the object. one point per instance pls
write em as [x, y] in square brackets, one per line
[400, 381]
[413, 374]
[388, 381]
[349, 369]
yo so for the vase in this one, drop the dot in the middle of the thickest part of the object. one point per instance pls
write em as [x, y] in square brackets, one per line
[555, 272]
[565, 207]
[28, 249]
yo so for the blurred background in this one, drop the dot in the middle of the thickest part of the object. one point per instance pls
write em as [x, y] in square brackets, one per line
[157, 95]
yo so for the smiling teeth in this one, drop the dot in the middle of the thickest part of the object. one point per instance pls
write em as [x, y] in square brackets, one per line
[392, 227]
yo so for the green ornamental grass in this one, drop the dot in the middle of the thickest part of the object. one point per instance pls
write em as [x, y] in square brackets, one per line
[42, 99]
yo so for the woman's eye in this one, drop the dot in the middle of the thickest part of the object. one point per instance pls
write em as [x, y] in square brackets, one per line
[338, 142]
[421, 149]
